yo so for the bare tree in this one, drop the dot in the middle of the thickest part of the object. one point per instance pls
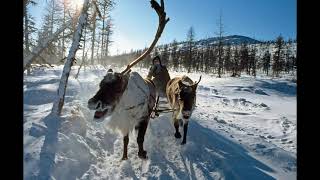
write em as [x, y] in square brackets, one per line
[109, 32]
[278, 59]
[165, 55]
[207, 58]
[190, 47]
[106, 6]
[220, 46]
[174, 54]
[244, 57]
[266, 59]
[227, 58]
[236, 68]
[253, 60]
[29, 30]
[66, 6]
[93, 21]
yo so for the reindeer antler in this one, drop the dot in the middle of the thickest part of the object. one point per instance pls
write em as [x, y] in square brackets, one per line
[198, 81]
[162, 23]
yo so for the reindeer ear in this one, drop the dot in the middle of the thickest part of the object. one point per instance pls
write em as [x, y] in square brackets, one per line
[195, 85]
[110, 71]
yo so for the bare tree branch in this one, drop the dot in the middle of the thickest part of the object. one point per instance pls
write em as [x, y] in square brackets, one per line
[35, 53]
[97, 8]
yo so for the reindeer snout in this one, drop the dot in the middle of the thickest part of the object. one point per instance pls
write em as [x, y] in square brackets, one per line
[186, 114]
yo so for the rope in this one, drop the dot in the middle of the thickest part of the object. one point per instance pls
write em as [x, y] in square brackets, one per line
[155, 110]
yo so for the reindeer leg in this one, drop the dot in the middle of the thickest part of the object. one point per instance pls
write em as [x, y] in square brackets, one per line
[125, 147]
[176, 124]
[140, 139]
[185, 130]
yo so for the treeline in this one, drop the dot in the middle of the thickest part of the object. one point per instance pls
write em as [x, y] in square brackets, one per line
[270, 57]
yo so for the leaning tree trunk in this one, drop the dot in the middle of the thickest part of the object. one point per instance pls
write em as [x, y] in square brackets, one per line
[42, 46]
[83, 53]
[58, 104]
[53, 121]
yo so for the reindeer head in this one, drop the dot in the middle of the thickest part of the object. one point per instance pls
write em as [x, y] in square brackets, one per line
[187, 98]
[110, 90]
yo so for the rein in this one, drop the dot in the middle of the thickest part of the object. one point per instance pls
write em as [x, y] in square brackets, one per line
[155, 111]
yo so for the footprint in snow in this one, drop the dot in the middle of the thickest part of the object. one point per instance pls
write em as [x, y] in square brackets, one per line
[270, 137]
[260, 146]
[263, 137]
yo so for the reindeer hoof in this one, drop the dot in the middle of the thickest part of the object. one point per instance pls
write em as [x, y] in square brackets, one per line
[183, 143]
[177, 135]
[124, 158]
[143, 155]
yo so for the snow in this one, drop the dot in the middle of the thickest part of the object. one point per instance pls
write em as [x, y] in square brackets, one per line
[241, 128]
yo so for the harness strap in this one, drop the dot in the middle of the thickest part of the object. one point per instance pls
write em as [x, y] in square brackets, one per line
[155, 110]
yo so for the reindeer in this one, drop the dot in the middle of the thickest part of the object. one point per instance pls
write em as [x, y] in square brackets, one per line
[181, 94]
[127, 98]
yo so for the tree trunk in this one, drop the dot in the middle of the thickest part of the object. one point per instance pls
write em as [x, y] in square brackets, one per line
[107, 42]
[25, 3]
[102, 43]
[84, 43]
[26, 32]
[98, 47]
[52, 14]
[93, 35]
[58, 104]
[64, 23]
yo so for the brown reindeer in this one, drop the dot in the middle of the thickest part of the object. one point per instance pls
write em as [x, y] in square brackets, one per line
[181, 94]
[128, 98]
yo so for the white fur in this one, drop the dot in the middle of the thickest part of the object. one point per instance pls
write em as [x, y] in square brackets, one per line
[132, 106]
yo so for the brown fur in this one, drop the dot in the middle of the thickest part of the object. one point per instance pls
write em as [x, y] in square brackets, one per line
[181, 97]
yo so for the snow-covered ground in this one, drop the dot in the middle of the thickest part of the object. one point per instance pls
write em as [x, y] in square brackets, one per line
[242, 128]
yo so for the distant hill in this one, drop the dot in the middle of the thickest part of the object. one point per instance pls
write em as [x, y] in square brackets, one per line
[233, 39]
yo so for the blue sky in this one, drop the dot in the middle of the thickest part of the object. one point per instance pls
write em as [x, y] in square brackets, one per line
[136, 22]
